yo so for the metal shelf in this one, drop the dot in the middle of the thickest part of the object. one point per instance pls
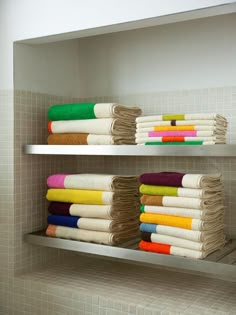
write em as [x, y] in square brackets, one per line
[219, 150]
[220, 263]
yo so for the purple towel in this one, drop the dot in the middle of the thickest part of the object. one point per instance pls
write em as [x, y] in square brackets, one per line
[60, 208]
[162, 179]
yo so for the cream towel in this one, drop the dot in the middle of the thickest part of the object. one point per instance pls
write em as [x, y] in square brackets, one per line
[207, 246]
[117, 213]
[202, 122]
[95, 182]
[200, 116]
[206, 140]
[196, 236]
[102, 126]
[212, 214]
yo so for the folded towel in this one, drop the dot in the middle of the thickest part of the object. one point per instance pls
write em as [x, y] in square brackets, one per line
[207, 246]
[180, 179]
[201, 122]
[93, 182]
[200, 116]
[102, 126]
[181, 192]
[182, 212]
[196, 236]
[117, 213]
[183, 133]
[80, 234]
[95, 197]
[89, 236]
[181, 222]
[91, 111]
[215, 129]
[171, 250]
[88, 139]
[178, 143]
[181, 202]
[94, 224]
[218, 139]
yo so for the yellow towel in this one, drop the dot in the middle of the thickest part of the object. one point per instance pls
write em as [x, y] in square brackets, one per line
[170, 220]
[76, 196]
[171, 128]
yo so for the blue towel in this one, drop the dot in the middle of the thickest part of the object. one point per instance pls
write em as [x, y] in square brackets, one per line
[63, 220]
[148, 227]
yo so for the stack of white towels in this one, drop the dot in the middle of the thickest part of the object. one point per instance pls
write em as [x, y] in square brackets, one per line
[181, 129]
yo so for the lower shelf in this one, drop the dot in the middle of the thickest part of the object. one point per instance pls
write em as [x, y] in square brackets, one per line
[221, 263]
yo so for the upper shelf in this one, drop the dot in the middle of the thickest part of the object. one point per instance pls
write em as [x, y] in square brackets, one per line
[224, 150]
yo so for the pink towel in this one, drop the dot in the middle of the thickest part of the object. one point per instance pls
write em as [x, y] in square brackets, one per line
[56, 181]
[192, 133]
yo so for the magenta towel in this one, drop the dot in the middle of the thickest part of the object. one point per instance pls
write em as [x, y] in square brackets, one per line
[162, 179]
[56, 181]
[184, 133]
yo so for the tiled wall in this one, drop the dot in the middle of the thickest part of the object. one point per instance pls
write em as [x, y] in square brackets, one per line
[54, 286]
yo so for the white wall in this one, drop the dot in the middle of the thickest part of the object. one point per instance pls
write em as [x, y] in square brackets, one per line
[186, 55]
[47, 68]
[31, 18]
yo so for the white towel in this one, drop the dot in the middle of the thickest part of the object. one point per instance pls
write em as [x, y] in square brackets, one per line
[200, 116]
[101, 126]
[203, 122]
[207, 246]
[196, 236]
[189, 213]
[190, 203]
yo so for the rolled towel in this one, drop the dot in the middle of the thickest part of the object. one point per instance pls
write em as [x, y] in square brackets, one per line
[201, 122]
[117, 213]
[181, 202]
[88, 139]
[181, 222]
[196, 236]
[93, 224]
[181, 192]
[95, 197]
[200, 116]
[89, 236]
[180, 179]
[102, 126]
[171, 250]
[93, 182]
[182, 212]
[91, 111]
[206, 246]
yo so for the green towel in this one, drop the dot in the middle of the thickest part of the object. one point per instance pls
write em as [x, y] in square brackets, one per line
[175, 143]
[72, 111]
[173, 117]
[158, 190]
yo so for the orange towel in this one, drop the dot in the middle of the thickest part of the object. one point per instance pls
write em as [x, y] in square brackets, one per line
[151, 200]
[155, 247]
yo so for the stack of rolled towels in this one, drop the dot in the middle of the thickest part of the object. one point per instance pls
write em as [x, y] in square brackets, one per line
[95, 208]
[181, 129]
[181, 214]
[92, 123]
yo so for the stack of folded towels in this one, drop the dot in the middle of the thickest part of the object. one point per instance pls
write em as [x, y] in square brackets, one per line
[181, 129]
[92, 123]
[182, 214]
[93, 207]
